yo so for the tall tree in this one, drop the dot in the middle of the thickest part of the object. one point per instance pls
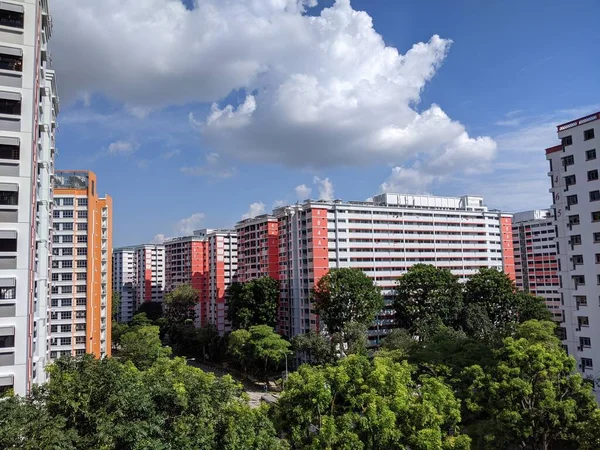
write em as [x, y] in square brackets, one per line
[180, 304]
[315, 347]
[531, 307]
[533, 398]
[153, 310]
[253, 303]
[344, 296]
[427, 298]
[142, 346]
[115, 306]
[370, 405]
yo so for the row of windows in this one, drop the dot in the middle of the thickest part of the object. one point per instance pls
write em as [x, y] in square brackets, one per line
[590, 155]
[68, 238]
[69, 289]
[573, 199]
[57, 354]
[67, 315]
[68, 264]
[67, 328]
[69, 214]
[587, 135]
[68, 226]
[82, 276]
[68, 302]
[82, 251]
[69, 201]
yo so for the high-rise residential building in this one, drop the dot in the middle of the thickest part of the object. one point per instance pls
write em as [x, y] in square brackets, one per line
[138, 277]
[208, 262]
[80, 320]
[536, 263]
[383, 238]
[258, 248]
[575, 188]
[28, 109]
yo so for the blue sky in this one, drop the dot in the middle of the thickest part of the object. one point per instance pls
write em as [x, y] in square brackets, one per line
[318, 105]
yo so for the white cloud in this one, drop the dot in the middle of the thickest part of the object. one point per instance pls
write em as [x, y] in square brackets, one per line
[158, 239]
[321, 90]
[279, 203]
[186, 227]
[213, 167]
[122, 148]
[407, 181]
[255, 209]
[171, 154]
[325, 187]
[302, 192]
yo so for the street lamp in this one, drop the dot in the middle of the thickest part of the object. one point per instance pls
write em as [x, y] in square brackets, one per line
[286, 365]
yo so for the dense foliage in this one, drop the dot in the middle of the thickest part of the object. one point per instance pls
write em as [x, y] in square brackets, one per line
[253, 303]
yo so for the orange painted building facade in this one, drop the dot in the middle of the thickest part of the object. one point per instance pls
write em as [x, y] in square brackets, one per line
[258, 248]
[81, 274]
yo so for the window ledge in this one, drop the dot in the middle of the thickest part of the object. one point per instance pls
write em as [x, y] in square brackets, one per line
[12, 30]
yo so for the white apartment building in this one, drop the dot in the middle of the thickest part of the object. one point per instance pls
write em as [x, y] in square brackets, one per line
[124, 276]
[536, 262]
[28, 109]
[575, 188]
[138, 277]
[383, 238]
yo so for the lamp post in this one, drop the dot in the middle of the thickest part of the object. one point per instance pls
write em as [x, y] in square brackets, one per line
[286, 366]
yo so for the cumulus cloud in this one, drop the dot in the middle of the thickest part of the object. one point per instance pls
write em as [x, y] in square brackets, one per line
[302, 192]
[407, 181]
[279, 203]
[122, 148]
[186, 227]
[325, 187]
[319, 90]
[158, 239]
[255, 209]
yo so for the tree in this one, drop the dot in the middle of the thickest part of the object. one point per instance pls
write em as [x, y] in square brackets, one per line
[153, 310]
[142, 346]
[316, 347]
[531, 307]
[180, 304]
[140, 320]
[253, 303]
[533, 398]
[115, 305]
[427, 298]
[370, 405]
[344, 296]
[117, 330]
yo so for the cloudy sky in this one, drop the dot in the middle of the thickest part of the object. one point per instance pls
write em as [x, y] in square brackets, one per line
[197, 113]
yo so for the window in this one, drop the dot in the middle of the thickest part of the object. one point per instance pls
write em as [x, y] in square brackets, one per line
[81, 289]
[56, 214]
[66, 289]
[8, 293]
[597, 255]
[68, 226]
[82, 226]
[82, 202]
[80, 351]
[67, 315]
[80, 340]
[590, 154]
[579, 280]
[55, 289]
[570, 180]
[581, 300]
[80, 327]
[54, 277]
[567, 140]
[572, 200]
[7, 341]
[68, 201]
[82, 264]
[53, 328]
[65, 341]
[588, 134]
[10, 151]
[576, 239]
[593, 175]
[595, 216]
[55, 239]
[66, 302]
[68, 214]
[67, 264]
[82, 251]
[596, 237]
[53, 355]
[82, 276]
[13, 16]
[577, 260]
[82, 239]
[67, 252]
[10, 197]
[587, 363]
[574, 219]
[594, 196]
[10, 103]
[81, 302]
[583, 321]
[67, 239]
[80, 314]
[67, 277]
[82, 214]
[56, 226]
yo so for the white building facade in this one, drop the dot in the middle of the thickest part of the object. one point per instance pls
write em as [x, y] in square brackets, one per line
[383, 238]
[575, 188]
[536, 262]
[124, 276]
[28, 110]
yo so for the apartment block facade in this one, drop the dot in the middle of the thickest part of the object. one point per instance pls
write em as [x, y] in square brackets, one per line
[536, 262]
[208, 262]
[138, 277]
[258, 248]
[575, 188]
[383, 238]
[28, 109]
[80, 319]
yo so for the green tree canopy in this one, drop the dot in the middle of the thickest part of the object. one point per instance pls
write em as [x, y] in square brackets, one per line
[427, 298]
[253, 303]
[315, 347]
[180, 304]
[153, 310]
[142, 346]
[533, 398]
[344, 296]
[370, 405]
[115, 304]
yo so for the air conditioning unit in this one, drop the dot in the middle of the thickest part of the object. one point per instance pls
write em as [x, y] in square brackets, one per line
[579, 348]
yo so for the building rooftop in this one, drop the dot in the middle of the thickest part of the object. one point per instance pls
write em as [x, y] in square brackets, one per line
[577, 122]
